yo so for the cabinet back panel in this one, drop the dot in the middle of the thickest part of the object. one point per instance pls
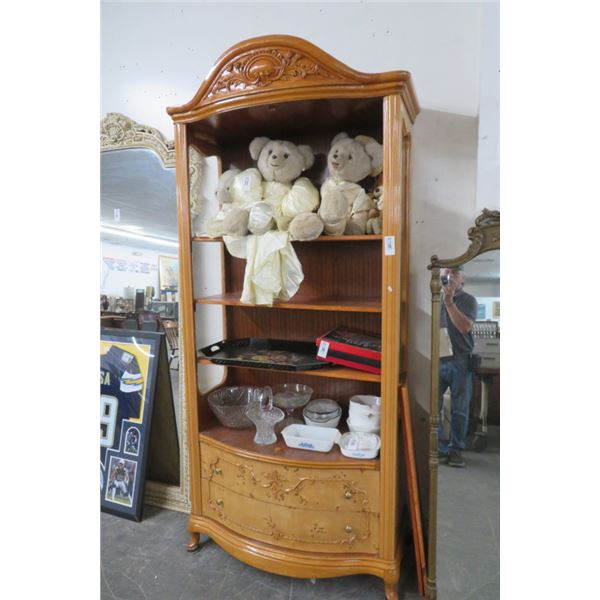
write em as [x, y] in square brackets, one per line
[340, 390]
[299, 325]
[330, 269]
[296, 121]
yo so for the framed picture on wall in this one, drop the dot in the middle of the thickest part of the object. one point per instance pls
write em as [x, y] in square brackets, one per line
[168, 273]
[496, 309]
[481, 312]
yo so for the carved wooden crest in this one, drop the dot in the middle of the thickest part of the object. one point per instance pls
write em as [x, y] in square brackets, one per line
[264, 67]
[276, 68]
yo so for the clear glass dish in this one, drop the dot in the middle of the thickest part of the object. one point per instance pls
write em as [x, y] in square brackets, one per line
[229, 405]
[289, 397]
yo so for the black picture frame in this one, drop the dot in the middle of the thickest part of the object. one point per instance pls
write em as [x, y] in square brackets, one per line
[128, 372]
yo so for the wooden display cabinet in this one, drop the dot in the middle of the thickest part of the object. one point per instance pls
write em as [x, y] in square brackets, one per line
[287, 511]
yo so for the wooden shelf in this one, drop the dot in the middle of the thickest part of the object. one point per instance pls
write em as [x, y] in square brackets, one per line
[339, 304]
[323, 238]
[331, 372]
[240, 441]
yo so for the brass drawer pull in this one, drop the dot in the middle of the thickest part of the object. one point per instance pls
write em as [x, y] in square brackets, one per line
[219, 502]
[348, 529]
[348, 495]
[217, 471]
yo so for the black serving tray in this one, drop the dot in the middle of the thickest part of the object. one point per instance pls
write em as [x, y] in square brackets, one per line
[264, 353]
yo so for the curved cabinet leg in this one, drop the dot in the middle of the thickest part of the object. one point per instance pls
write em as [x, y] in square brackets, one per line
[194, 542]
[391, 590]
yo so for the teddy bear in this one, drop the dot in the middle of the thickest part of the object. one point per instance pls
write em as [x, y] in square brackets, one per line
[273, 193]
[345, 205]
[374, 222]
[217, 226]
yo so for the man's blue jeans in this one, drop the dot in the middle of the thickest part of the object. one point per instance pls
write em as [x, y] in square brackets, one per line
[456, 375]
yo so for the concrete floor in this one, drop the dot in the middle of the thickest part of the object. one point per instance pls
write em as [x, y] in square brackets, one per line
[468, 566]
[149, 561]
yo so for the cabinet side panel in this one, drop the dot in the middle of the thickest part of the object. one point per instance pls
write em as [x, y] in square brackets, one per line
[188, 346]
[391, 261]
[406, 170]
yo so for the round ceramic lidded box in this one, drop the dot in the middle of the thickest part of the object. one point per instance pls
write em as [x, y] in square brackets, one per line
[322, 412]
[360, 445]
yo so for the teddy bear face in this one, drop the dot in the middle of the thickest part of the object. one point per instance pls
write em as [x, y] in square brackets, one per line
[348, 161]
[280, 161]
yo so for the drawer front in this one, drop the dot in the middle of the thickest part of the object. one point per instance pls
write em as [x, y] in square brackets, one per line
[487, 346]
[294, 528]
[350, 490]
[489, 361]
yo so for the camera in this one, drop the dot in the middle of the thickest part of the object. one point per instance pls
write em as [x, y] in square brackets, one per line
[445, 279]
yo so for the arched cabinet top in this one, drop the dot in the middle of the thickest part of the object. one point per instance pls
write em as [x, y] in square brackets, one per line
[280, 68]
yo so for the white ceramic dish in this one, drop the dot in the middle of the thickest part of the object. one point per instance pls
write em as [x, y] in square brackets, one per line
[365, 419]
[367, 402]
[362, 429]
[360, 445]
[307, 437]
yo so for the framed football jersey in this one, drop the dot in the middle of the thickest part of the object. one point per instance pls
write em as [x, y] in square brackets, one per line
[128, 368]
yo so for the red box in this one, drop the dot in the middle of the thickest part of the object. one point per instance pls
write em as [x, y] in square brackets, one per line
[351, 348]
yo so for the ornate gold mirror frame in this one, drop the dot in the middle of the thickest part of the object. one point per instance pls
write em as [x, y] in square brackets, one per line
[118, 132]
[484, 237]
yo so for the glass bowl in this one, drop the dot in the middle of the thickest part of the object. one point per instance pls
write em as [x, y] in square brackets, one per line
[229, 405]
[291, 395]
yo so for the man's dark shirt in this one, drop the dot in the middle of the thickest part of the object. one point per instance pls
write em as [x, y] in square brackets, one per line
[462, 343]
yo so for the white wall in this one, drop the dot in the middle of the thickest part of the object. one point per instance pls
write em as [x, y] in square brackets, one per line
[486, 287]
[443, 208]
[488, 155]
[113, 281]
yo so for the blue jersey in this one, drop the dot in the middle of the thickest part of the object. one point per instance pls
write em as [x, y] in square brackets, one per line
[121, 385]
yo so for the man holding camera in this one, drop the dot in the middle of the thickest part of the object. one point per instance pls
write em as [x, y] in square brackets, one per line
[458, 312]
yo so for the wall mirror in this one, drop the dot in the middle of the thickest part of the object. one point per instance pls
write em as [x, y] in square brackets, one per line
[464, 486]
[140, 255]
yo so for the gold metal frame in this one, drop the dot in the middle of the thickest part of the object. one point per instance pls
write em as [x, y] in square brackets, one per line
[484, 236]
[118, 132]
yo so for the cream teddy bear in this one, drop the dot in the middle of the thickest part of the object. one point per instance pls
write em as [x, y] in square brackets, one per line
[223, 220]
[273, 193]
[345, 205]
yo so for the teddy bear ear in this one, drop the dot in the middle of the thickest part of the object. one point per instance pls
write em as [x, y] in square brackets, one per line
[340, 136]
[375, 151]
[307, 155]
[256, 146]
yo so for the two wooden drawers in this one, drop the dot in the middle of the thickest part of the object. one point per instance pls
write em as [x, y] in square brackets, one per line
[316, 509]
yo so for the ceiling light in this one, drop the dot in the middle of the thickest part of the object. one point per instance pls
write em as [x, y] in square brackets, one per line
[131, 227]
[139, 237]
